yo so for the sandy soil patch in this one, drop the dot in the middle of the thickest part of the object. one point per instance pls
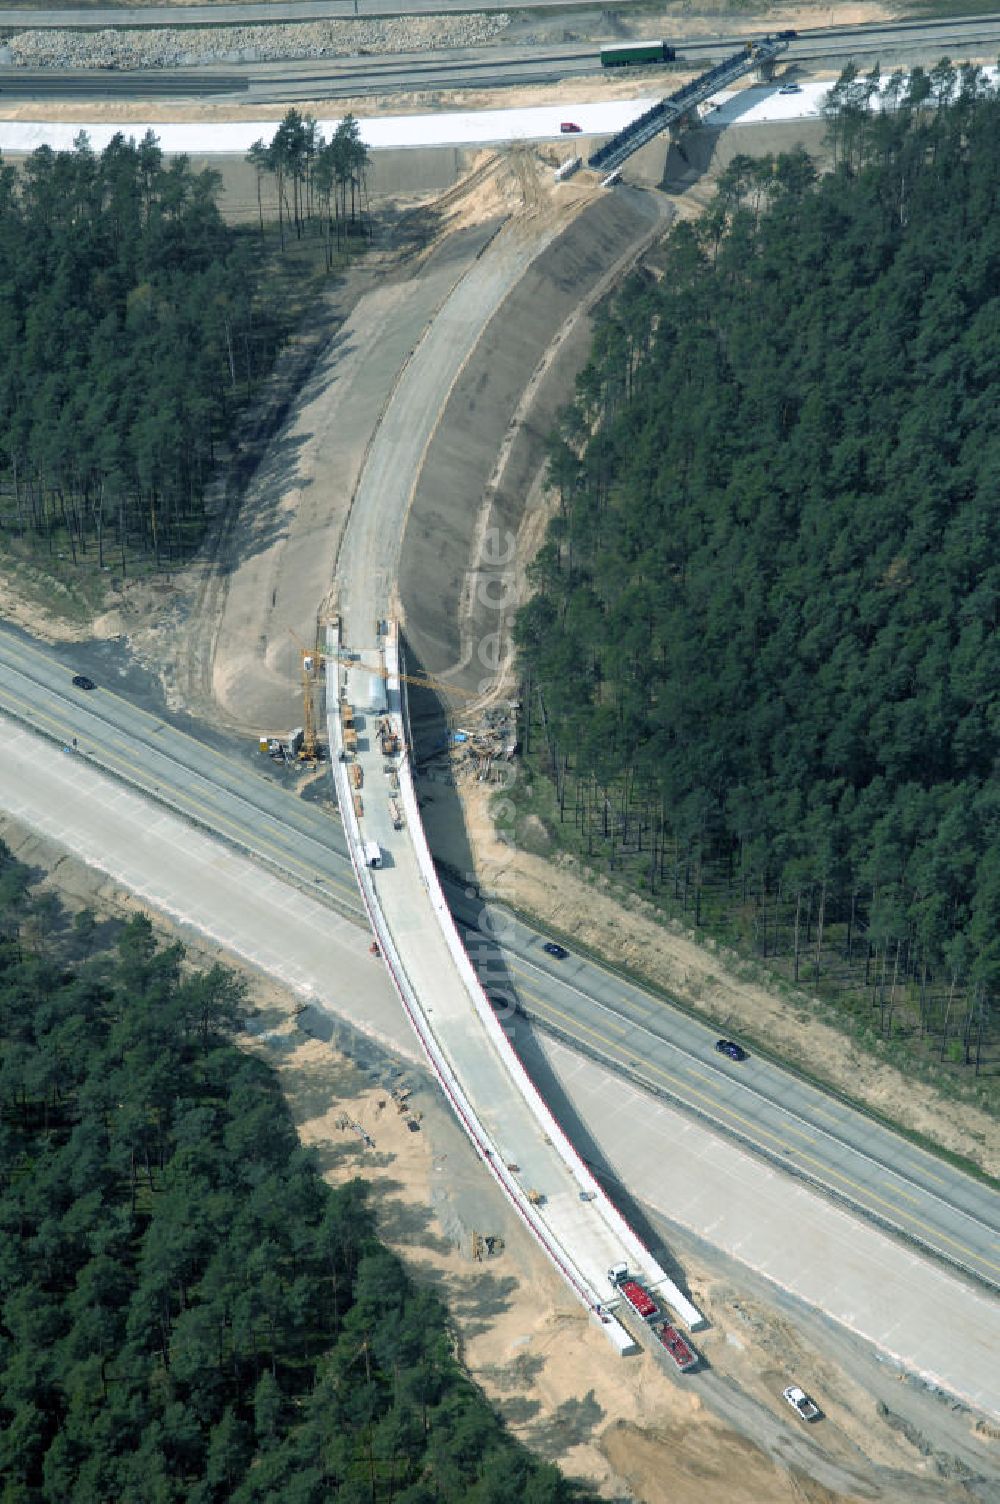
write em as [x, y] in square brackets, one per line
[626, 1427]
[628, 931]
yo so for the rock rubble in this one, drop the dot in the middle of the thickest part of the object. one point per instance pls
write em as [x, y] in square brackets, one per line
[193, 47]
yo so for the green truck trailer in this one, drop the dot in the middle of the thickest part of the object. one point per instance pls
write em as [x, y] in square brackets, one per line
[633, 54]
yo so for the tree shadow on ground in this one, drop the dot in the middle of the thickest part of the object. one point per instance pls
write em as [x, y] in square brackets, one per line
[518, 1411]
[516, 1376]
[407, 1223]
[570, 1425]
[407, 232]
[475, 1301]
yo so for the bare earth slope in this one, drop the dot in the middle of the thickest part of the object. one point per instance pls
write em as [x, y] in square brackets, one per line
[455, 507]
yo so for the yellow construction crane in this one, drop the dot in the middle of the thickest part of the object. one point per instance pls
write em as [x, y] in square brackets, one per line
[313, 657]
[310, 673]
[419, 681]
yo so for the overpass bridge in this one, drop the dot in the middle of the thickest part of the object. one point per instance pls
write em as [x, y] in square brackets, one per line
[509, 1125]
[754, 55]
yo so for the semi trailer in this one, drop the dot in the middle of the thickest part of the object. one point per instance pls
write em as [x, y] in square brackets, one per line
[636, 54]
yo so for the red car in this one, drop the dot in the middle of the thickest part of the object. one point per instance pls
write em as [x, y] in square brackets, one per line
[570, 128]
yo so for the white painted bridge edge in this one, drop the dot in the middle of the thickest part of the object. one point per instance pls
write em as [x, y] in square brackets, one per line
[533, 1217]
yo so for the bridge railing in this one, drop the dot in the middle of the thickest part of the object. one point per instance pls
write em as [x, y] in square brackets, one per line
[650, 124]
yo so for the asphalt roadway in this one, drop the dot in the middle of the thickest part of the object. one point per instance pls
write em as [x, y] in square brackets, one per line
[603, 1016]
[923, 1320]
[493, 66]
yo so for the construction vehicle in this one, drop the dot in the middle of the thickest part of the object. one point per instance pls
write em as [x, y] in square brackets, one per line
[638, 1298]
[685, 1357]
[308, 749]
[536, 1197]
[388, 738]
[397, 814]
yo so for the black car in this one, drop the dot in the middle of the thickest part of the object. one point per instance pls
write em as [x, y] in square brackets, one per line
[727, 1047]
[552, 949]
[80, 681]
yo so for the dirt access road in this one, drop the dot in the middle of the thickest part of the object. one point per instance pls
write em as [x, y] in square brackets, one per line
[354, 445]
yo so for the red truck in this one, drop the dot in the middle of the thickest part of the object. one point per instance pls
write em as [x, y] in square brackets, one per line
[639, 1299]
[678, 1349]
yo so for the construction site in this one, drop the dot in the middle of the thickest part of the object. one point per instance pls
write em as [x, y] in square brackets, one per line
[391, 521]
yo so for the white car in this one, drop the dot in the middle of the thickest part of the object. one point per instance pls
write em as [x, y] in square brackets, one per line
[800, 1402]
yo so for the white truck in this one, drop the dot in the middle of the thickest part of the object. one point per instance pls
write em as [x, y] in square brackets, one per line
[373, 854]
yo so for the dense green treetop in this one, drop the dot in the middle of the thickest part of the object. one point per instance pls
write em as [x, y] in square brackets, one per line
[187, 1312]
[768, 602]
[132, 326]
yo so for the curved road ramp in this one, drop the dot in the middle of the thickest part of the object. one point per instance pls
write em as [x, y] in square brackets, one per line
[496, 1103]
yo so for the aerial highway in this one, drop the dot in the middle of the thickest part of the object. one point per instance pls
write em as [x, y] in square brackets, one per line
[494, 66]
[607, 1017]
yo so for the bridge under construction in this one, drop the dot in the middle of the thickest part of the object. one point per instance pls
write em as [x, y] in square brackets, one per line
[752, 57]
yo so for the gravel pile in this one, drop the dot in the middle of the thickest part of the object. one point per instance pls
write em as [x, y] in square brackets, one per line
[189, 48]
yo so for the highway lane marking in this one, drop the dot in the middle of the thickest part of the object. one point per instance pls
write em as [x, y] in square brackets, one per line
[184, 801]
[140, 775]
[653, 1069]
[30, 656]
[863, 1194]
[896, 1191]
[950, 1208]
[279, 852]
[113, 731]
[290, 860]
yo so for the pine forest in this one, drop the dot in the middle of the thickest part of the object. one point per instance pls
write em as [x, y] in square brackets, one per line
[187, 1311]
[135, 326]
[760, 660]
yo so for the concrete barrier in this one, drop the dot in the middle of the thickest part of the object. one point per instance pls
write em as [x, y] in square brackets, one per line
[632, 1245]
[488, 1151]
[411, 1003]
[568, 168]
